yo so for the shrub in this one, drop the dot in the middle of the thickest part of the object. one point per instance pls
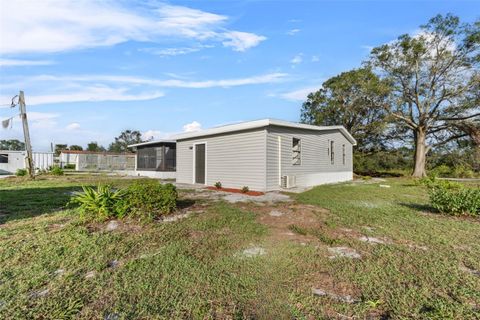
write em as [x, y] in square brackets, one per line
[455, 201]
[100, 204]
[245, 189]
[56, 171]
[21, 172]
[218, 185]
[70, 166]
[440, 171]
[463, 171]
[149, 199]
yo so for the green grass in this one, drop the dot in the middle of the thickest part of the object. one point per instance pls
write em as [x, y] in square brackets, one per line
[194, 269]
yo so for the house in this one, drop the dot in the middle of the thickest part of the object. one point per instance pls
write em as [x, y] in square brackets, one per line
[11, 161]
[93, 161]
[156, 159]
[265, 155]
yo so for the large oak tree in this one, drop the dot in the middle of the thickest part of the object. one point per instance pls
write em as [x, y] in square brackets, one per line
[355, 99]
[435, 80]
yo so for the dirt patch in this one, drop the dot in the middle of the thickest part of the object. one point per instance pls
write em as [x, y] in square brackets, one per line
[281, 217]
[232, 190]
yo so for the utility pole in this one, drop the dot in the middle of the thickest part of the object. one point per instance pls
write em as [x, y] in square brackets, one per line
[26, 134]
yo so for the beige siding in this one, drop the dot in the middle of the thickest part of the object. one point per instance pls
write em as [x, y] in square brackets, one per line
[235, 159]
[314, 154]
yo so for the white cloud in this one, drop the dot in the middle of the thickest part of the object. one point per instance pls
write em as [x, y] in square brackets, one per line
[315, 59]
[173, 51]
[299, 94]
[297, 59]
[21, 63]
[241, 41]
[193, 126]
[46, 89]
[154, 135]
[73, 126]
[98, 93]
[293, 32]
[57, 25]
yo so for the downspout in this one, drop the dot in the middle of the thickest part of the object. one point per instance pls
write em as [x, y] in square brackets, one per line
[279, 138]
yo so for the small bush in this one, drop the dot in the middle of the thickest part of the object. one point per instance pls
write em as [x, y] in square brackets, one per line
[56, 171]
[455, 201]
[218, 185]
[440, 171]
[70, 166]
[100, 204]
[463, 171]
[149, 199]
[21, 172]
[245, 189]
[452, 197]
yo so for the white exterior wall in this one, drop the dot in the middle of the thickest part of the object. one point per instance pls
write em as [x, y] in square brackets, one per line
[235, 159]
[16, 160]
[151, 174]
[315, 167]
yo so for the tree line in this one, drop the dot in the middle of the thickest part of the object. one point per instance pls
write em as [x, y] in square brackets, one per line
[418, 95]
[120, 144]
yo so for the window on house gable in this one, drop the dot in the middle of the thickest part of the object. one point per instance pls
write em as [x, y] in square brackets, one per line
[332, 153]
[296, 151]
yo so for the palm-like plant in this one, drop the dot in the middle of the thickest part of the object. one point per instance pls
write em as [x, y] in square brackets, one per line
[100, 204]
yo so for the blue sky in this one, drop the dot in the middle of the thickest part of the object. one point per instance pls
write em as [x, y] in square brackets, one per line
[91, 69]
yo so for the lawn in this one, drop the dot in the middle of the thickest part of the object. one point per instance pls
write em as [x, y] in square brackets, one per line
[412, 262]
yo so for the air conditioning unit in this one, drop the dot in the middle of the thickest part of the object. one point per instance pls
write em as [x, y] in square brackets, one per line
[289, 182]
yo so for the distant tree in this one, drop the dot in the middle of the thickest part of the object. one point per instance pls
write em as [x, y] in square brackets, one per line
[435, 79]
[59, 148]
[13, 144]
[355, 99]
[95, 147]
[126, 138]
[75, 147]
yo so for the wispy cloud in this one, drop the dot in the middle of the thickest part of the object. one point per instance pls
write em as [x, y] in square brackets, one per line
[21, 63]
[56, 25]
[241, 41]
[297, 59]
[315, 59]
[73, 126]
[80, 88]
[298, 94]
[168, 52]
[192, 126]
[293, 32]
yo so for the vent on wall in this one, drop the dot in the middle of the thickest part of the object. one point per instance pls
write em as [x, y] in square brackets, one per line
[289, 182]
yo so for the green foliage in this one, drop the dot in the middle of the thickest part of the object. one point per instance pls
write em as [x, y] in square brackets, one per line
[461, 201]
[379, 162]
[100, 204]
[70, 166]
[21, 172]
[245, 189]
[95, 147]
[75, 147]
[354, 99]
[149, 199]
[144, 200]
[126, 138]
[452, 197]
[218, 185]
[13, 144]
[56, 171]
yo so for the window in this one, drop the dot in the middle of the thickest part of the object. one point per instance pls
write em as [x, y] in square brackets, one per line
[343, 154]
[332, 153]
[4, 158]
[296, 151]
